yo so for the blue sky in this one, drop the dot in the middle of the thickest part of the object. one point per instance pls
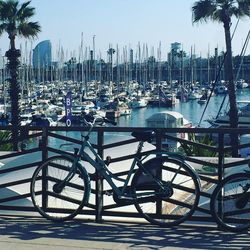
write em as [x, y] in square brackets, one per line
[127, 22]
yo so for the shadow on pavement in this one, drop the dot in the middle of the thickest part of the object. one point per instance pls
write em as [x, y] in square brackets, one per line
[137, 236]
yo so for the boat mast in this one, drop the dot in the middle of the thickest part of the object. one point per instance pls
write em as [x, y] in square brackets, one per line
[159, 64]
[170, 69]
[208, 65]
[191, 67]
[159, 73]
[201, 78]
[94, 60]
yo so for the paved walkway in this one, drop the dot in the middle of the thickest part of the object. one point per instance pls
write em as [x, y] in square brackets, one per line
[24, 233]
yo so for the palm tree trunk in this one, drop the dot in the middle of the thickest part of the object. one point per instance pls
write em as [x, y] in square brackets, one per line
[13, 65]
[233, 111]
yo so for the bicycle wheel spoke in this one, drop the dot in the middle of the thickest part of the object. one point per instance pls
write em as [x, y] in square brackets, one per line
[175, 189]
[51, 193]
[230, 204]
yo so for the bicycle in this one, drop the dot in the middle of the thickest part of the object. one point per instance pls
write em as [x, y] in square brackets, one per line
[230, 202]
[165, 190]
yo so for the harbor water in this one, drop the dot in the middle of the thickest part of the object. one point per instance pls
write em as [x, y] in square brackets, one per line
[191, 110]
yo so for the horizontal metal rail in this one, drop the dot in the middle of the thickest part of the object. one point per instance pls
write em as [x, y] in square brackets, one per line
[15, 174]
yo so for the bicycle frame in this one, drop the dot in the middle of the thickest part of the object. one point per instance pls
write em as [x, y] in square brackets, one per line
[99, 164]
[145, 184]
[101, 167]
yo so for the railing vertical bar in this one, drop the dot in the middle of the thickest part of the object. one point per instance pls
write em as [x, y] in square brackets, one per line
[44, 144]
[99, 179]
[221, 157]
[220, 168]
[159, 173]
[158, 139]
[44, 148]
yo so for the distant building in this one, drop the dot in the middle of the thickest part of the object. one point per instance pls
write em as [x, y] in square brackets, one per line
[1, 60]
[42, 54]
[175, 47]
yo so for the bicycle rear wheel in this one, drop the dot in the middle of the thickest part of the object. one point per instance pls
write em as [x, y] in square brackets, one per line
[230, 204]
[169, 194]
[59, 204]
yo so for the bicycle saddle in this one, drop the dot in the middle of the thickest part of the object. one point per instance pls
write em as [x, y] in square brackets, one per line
[143, 135]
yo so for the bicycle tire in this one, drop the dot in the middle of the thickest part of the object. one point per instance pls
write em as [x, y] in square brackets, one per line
[59, 205]
[224, 200]
[175, 201]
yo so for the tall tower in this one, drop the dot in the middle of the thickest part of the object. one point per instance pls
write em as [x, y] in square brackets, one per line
[42, 54]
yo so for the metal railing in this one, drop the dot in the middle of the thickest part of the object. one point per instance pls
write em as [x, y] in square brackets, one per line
[211, 159]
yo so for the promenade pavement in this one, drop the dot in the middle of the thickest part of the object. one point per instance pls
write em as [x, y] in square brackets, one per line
[24, 233]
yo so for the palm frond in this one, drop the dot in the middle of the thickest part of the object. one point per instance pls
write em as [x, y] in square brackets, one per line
[218, 15]
[220, 10]
[23, 7]
[29, 29]
[3, 27]
[15, 18]
[11, 6]
[243, 8]
[203, 10]
[25, 12]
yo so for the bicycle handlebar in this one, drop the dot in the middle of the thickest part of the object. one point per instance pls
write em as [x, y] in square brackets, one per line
[104, 119]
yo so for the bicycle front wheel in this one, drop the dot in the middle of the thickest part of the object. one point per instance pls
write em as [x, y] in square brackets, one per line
[230, 204]
[59, 204]
[167, 193]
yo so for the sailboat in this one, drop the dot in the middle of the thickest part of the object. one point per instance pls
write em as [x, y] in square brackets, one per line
[243, 106]
[164, 99]
[243, 117]
[138, 102]
[203, 98]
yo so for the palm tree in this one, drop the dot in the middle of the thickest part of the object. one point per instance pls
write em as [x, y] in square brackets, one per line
[14, 19]
[222, 11]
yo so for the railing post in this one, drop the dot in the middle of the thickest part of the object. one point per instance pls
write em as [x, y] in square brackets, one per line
[159, 172]
[158, 139]
[220, 168]
[99, 179]
[221, 157]
[43, 145]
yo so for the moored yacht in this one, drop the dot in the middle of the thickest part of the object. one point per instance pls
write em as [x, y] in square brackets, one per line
[243, 117]
[124, 109]
[138, 102]
[221, 89]
[194, 94]
[241, 84]
[169, 119]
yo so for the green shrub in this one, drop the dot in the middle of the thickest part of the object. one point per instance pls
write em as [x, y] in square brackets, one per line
[197, 150]
[5, 136]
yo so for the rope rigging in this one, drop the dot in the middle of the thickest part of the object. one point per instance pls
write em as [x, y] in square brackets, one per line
[219, 72]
